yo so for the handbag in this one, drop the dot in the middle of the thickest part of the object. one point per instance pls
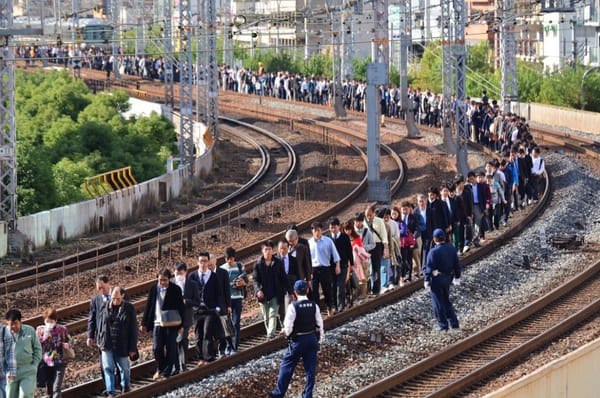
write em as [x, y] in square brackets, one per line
[68, 352]
[408, 240]
[354, 281]
[42, 374]
[226, 325]
[169, 318]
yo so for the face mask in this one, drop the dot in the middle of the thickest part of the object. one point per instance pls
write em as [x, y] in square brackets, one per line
[50, 324]
[180, 278]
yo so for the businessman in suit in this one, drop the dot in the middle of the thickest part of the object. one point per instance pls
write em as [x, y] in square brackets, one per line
[191, 302]
[164, 296]
[290, 266]
[212, 302]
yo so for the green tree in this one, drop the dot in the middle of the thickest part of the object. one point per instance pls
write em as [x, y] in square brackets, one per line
[562, 88]
[529, 81]
[64, 134]
[68, 176]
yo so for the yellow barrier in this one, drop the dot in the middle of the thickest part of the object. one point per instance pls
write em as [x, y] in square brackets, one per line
[110, 181]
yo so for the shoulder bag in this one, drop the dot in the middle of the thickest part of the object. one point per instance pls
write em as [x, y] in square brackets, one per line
[169, 318]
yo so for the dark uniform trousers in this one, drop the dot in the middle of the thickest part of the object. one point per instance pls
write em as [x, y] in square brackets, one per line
[440, 299]
[304, 344]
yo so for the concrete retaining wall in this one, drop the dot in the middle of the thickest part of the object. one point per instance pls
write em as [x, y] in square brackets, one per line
[573, 376]
[98, 215]
[561, 117]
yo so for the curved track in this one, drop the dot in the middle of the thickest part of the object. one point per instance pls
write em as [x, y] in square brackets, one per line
[254, 343]
[255, 191]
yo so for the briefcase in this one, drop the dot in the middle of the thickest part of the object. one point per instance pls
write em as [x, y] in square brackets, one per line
[226, 325]
[169, 318]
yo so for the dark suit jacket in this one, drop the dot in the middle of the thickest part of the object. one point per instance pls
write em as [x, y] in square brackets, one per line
[191, 300]
[173, 301]
[212, 293]
[96, 305]
[344, 249]
[465, 199]
[223, 277]
[303, 259]
[292, 274]
[437, 216]
[261, 278]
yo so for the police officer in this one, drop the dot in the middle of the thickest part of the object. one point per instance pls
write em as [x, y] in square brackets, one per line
[303, 326]
[442, 269]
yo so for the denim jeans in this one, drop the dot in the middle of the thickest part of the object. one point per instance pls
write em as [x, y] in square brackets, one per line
[109, 359]
[386, 272]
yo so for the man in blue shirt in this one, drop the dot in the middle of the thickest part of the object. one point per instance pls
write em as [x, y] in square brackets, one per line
[323, 253]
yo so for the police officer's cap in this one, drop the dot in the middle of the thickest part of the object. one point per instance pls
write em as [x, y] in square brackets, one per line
[300, 286]
[439, 233]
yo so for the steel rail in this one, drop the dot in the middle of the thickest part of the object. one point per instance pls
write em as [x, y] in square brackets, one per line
[493, 335]
[163, 234]
[141, 383]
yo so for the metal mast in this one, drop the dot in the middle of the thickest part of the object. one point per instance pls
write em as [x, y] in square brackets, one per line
[462, 131]
[140, 35]
[447, 76]
[347, 43]
[405, 42]
[227, 39]
[508, 51]
[336, 32]
[168, 55]
[8, 129]
[377, 74]
[212, 75]
[201, 88]
[186, 102]
[114, 8]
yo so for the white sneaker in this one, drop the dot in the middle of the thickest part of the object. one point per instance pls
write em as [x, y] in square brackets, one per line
[391, 286]
[466, 248]
[383, 290]
[529, 201]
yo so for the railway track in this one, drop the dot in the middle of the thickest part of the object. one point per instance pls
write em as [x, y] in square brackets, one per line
[255, 340]
[75, 316]
[255, 191]
[454, 370]
[254, 343]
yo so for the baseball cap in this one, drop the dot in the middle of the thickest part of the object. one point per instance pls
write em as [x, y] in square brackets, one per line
[439, 233]
[300, 286]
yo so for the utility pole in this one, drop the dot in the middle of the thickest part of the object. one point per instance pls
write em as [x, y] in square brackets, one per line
[447, 75]
[115, 9]
[377, 74]
[462, 130]
[186, 102]
[336, 32]
[8, 128]
[140, 35]
[405, 42]
[227, 39]
[168, 56]
[212, 76]
[348, 42]
[508, 51]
